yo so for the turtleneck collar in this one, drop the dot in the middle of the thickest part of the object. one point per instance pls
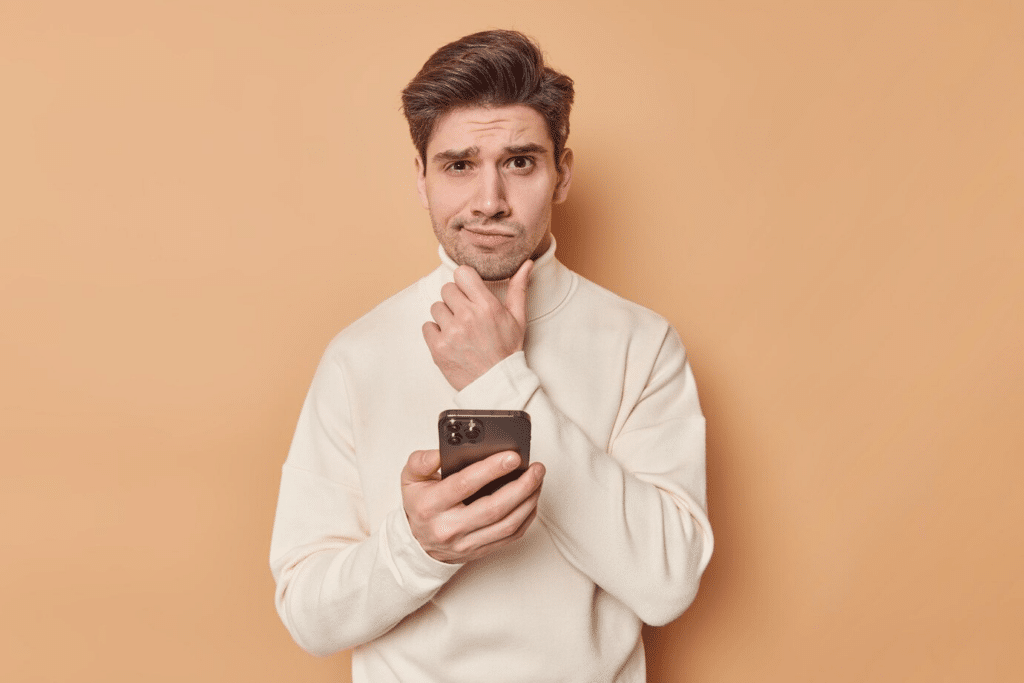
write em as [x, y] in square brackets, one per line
[550, 283]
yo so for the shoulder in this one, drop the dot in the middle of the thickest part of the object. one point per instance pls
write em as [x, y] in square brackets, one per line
[608, 309]
[387, 322]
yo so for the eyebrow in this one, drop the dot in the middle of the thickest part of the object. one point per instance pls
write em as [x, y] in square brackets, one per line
[457, 154]
[531, 148]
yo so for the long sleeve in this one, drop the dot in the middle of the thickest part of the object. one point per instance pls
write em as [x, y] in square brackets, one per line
[338, 584]
[631, 518]
[621, 534]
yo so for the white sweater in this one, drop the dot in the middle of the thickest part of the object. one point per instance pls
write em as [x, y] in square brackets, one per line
[621, 535]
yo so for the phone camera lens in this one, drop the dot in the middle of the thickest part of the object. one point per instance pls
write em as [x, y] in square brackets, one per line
[454, 438]
[472, 430]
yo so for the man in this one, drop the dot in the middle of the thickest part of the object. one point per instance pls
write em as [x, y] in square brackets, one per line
[550, 577]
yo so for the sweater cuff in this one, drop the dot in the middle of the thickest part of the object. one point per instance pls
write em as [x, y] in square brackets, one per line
[412, 567]
[506, 386]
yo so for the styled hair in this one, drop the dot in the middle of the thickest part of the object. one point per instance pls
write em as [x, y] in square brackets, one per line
[491, 69]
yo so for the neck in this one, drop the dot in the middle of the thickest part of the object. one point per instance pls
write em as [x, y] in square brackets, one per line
[550, 282]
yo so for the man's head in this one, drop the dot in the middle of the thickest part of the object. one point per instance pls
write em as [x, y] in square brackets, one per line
[487, 69]
[489, 122]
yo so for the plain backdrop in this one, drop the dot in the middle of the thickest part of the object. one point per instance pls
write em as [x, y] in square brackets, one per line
[825, 198]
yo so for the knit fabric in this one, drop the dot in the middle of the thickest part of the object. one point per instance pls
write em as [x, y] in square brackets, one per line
[621, 536]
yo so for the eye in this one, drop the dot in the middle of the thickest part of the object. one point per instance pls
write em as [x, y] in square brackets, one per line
[460, 166]
[521, 163]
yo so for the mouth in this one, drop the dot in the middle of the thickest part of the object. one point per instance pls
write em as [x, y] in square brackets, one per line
[487, 240]
[488, 233]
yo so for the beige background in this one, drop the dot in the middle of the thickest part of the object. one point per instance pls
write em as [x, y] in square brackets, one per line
[826, 198]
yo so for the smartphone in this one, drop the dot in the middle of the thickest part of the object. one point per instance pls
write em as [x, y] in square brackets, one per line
[467, 436]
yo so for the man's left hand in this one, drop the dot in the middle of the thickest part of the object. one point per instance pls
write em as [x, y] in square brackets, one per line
[472, 330]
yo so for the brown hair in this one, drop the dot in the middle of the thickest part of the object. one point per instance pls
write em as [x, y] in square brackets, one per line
[491, 68]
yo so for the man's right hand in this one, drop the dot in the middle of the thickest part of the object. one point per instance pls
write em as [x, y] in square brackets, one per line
[455, 533]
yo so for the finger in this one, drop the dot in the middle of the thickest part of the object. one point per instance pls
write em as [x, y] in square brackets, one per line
[471, 284]
[489, 548]
[421, 466]
[441, 314]
[516, 491]
[471, 479]
[454, 297]
[431, 335]
[507, 528]
[493, 508]
[515, 299]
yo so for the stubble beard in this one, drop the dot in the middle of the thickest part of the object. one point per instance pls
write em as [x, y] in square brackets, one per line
[492, 266]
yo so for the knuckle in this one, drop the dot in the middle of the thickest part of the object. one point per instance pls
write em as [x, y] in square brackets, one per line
[418, 516]
[465, 485]
[422, 523]
[505, 530]
[505, 504]
[523, 525]
[519, 531]
[440, 346]
[498, 510]
[442, 531]
[490, 510]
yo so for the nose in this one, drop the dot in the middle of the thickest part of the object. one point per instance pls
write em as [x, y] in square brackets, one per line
[490, 200]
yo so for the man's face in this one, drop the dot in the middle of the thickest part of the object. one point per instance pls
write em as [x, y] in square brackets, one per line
[489, 183]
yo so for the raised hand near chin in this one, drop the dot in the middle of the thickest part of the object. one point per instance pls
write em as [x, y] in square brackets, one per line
[472, 330]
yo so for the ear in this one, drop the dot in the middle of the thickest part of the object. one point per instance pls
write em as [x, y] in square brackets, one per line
[564, 177]
[421, 181]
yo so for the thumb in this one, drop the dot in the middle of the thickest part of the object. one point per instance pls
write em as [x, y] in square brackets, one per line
[515, 296]
[421, 466]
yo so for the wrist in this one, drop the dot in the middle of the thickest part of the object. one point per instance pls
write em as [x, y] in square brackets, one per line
[507, 385]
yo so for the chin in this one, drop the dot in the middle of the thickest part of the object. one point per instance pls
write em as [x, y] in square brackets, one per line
[493, 267]
[490, 266]
[497, 271]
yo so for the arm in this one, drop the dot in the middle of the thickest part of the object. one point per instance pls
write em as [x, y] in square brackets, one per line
[338, 585]
[632, 519]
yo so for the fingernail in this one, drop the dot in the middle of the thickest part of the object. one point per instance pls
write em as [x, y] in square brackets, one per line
[510, 461]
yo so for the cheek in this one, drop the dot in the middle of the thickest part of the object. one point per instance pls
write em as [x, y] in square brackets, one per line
[536, 202]
[444, 201]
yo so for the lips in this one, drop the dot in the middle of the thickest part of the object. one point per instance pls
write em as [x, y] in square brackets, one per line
[486, 239]
[488, 233]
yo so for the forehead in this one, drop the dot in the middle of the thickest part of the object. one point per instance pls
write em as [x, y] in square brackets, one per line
[489, 128]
